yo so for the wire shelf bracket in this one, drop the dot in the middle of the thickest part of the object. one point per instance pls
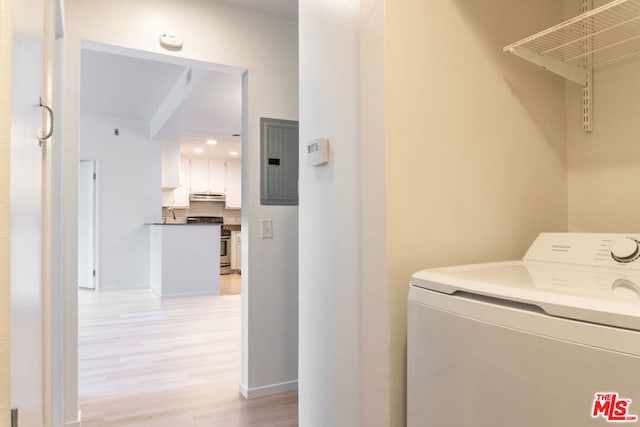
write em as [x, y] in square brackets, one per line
[573, 48]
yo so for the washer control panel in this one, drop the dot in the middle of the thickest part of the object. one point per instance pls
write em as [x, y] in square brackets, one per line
[597, 249]
[625, 250]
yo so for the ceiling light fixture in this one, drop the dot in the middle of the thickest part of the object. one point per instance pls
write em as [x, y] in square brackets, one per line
[211, 142]
[233, 153]
[198, 150]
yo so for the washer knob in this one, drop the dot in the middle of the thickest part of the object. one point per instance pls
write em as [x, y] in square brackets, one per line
[625, 250]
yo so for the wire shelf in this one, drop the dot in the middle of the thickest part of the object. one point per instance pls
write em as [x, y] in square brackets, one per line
[596, 37]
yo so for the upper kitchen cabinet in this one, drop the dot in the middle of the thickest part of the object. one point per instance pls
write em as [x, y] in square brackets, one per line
[207, 176]
[170, 165]
[181, 194]
[199, 174]
[178, 197]
[217, 176]
[234, 185]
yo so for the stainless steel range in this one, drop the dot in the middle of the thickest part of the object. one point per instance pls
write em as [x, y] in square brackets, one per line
[225, 251]
[225, 239]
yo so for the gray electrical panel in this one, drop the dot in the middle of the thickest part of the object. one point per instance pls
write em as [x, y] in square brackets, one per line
[278, 162]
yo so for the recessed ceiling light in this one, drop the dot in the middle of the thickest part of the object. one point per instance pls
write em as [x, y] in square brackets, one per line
[211, 142]
[233, 153]
[198, 150]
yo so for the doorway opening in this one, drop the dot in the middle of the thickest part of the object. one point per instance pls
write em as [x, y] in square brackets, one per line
[160, 137]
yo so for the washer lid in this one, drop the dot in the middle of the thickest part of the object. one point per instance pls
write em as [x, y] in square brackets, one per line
[608, 296]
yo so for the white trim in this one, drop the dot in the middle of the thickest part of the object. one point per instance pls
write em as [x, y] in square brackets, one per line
[267, 390]
[5, 163]
[76, 423]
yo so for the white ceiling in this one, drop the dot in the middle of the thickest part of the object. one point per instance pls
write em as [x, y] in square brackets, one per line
[288, 8]
[213, 110]
[126, 86]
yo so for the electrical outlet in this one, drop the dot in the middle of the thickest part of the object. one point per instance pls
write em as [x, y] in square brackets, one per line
[266, 228]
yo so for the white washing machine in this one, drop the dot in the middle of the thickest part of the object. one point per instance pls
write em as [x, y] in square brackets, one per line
[552, 340]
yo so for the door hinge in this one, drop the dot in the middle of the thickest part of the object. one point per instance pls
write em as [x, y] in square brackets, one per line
[94, 273]
[94, 175]
[14, 417]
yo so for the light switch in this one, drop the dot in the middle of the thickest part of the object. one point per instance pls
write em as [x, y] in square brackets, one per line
[266, 228]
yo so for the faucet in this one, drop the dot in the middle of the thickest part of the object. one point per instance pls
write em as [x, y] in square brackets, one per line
[173, 212]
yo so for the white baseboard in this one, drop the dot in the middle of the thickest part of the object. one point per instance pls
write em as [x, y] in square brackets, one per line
[266, 390]
[77, 423]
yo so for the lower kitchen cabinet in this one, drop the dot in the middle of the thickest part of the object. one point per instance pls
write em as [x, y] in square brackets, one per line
[236, 249]
[234, 185]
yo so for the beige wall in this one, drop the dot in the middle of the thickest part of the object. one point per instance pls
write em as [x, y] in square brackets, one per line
[5, 135]
[604, 165]
[475, 143]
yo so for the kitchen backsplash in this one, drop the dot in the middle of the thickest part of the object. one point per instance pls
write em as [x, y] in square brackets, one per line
[231, 216]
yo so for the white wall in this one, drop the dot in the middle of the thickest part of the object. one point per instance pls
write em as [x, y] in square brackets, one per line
[266, 46]
[344, 369]
[473, 167]
[128, 191]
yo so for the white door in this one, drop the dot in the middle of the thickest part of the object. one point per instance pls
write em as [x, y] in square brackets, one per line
[26, 212]
[86, 224]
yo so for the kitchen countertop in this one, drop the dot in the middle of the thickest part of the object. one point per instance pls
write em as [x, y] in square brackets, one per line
[175, 223]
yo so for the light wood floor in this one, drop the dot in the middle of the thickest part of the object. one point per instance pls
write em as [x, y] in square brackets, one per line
[230, 284]
[151, 362]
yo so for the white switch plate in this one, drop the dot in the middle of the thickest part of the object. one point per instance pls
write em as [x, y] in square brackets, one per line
[266, 228]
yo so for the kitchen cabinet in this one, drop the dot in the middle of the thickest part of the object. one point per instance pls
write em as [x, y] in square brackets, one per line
[178, 197]
[170, 165]
[207, 176]
[181, 194]
[236, 249]
[233, 189]
[199, 174]
[217, 176]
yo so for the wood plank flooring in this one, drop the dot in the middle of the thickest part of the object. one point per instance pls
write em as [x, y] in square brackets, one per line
[230, 284]
[151, 362]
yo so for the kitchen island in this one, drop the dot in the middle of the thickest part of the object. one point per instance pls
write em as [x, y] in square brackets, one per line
[184, 259]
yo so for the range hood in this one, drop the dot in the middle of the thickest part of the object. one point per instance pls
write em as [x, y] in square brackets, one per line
[207, 197]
